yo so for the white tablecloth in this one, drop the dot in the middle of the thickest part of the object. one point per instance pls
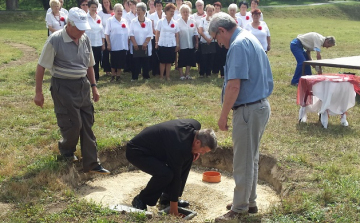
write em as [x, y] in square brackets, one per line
[330, 98]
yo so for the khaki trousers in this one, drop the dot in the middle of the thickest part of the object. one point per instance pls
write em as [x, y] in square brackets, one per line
[75, 117]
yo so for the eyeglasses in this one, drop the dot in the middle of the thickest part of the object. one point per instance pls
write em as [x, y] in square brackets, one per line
[216, 35]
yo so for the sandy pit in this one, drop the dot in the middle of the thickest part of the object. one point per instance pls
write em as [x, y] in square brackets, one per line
[207, 199]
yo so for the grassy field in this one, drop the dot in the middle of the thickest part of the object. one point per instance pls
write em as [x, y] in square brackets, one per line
[321, 165]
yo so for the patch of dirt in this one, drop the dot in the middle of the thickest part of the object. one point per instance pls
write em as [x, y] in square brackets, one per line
[29, 54]
[207, 199]
[4, 209]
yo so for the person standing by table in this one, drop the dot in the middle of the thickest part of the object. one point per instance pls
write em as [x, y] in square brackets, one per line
[247, 84]
[166, 151]
[301, 48]
[67, 54]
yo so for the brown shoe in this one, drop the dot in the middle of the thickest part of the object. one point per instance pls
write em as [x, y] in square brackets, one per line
[231, 215]
[252, 210]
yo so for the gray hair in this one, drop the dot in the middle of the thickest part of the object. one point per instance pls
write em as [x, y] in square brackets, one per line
[207, 138]
[142, 6]
[223, 20]
[184, 7]
[118, 5]
[68, 21]
[233, 6]
[52, 2]
[331, 40]
[200, 1]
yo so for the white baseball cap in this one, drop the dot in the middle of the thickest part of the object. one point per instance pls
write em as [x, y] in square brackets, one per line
[79, 17]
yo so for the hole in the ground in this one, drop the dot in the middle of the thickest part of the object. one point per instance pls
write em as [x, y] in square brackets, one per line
[207, 199]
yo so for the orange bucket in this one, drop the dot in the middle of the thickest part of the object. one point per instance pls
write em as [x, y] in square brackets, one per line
[211, 177]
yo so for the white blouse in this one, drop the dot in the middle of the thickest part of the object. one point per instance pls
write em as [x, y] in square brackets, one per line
[177, 15]
[239, 22]
[118, 32]
[155, 18]
[61, 10]
[187, 32]
[205, 25]
[96, 33]
[246, 19]
[104, 18]
[167, 32]
[261, 35]
[141, 33]
[129, 16]
[55, 21]
[198, 18]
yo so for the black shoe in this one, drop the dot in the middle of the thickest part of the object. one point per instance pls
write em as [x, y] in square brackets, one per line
[253, 210]
[138, 204]
[181, 203]
[99, 169]
[71, 158]
[294, 84]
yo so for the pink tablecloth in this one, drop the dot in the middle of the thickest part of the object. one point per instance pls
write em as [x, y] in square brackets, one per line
[306, 83]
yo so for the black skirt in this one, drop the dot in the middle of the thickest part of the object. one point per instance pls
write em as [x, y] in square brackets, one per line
[187, 58]
[118, 59]
[166, 54]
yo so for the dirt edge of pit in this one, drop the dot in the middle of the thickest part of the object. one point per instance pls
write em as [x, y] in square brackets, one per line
[222, 159]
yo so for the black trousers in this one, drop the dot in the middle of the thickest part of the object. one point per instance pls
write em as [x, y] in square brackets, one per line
[206, 64]
[128, 64]
[155, 64]
[219, 60]
[162, 175]
[97, 56]
[139, 63]
[105, 62]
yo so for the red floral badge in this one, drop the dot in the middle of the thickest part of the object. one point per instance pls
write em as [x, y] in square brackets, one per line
[191, 25]
[98, 21]
[172, 25]
[247, 17]
[123, 25]
[62, 19]
[260, 28]
[204, 15]
[143, 25]
[236, 21]
[112, 14]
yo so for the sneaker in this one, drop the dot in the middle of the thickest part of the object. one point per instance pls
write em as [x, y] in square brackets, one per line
[188, 77]
[132, 80]
[182, 78]
[295, 84]
[138, 204]
[71, 158]
[99, 169]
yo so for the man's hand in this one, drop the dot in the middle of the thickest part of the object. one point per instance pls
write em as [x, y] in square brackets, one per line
[39, 99]
[222, 123]
[196, 156]
[96, 95]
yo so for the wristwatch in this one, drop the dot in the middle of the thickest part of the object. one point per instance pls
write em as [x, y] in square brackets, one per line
[93, 85]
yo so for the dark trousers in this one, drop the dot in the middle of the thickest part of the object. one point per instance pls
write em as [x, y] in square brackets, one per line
[155, 64]
[219, 60]
[75, 117]
[139, 63]
[105, 62]
[206, 64]
[300, 55]
[128, 64]
[162, 175]
[97, 56]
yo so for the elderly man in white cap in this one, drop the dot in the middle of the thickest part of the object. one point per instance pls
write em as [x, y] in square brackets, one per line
[68, 55]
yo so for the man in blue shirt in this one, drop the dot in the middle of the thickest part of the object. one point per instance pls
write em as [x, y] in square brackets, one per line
[247, 83]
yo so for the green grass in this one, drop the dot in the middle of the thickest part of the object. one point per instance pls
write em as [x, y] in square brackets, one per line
[321, 165]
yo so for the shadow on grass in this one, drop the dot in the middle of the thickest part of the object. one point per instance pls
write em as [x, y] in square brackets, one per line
[334, 130]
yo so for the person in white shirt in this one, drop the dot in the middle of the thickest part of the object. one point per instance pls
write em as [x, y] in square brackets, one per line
[140, 36]
[106, 12]
[155, 17]
[151, 5]
[117, 36]
[188, 3]
[206, 59]
[221, 51]
[83, 4]
[187, 34]
[126, 6]
[61, 8]
[96, 35]
[130, 16]
[244, 15]
[167, 40]
[260, 30]
[254, 4]
[178, 4]
[55, 20]
[199, 4]
[232, 9]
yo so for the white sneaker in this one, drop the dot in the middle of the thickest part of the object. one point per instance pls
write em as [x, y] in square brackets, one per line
[182, 78]
[188, 77]
[343, 120]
